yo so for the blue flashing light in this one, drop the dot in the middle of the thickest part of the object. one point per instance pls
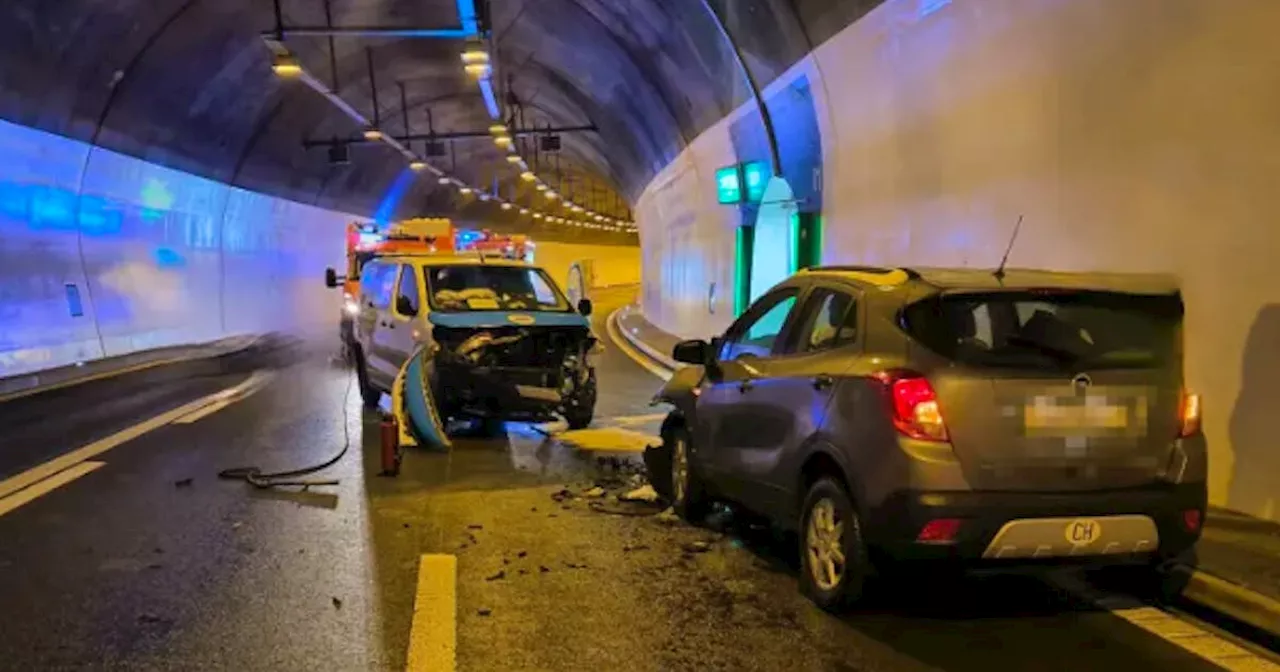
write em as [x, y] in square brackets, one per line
[52, 208]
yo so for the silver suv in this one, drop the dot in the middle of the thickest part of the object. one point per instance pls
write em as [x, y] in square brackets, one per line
[982, 420]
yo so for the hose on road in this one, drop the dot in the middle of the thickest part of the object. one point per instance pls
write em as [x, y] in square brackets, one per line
[255, 477]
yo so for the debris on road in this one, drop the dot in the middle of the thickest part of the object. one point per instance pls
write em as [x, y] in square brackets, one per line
[475, 526]
[544, 569]
[522, 554]
[638, 547]
[594, 493]
[574, 565]
[502, 574]
[644, 493]
[668, 517]
[533, 510]
[151, 618]
[472, 538]
[523, 572]
[484, 611]
[562, 494]
[337, 603]
[696, 547]
[182, 483]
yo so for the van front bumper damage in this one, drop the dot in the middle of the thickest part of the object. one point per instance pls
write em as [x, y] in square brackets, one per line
[528, 374]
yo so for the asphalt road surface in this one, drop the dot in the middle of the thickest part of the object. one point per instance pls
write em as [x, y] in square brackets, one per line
[145, 560]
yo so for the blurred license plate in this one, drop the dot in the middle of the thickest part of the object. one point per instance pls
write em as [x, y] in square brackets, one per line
[1075, 416]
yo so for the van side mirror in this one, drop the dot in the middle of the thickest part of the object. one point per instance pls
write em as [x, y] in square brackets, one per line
[330, 278]
[691, 352]
[405, 307]
[584, 307]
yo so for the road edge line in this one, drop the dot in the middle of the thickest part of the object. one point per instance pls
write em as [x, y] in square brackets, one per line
[433, 634]
[45, 470]
[628, 347]
[29, 494]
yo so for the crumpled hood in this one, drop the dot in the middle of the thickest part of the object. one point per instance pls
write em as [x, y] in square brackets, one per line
[493, 319]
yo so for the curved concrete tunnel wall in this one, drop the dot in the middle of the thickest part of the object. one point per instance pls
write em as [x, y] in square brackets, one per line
[160, 257]
[157, 257]
[1135, 136]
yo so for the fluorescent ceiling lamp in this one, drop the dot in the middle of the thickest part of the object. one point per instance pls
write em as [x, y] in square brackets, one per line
[466, 190]
[286, 66]
[524, 211]
[417, 166]
[528, 176]
[502, 140]
[372, 134]
[477, 70]
[498, 129]
[514, 158]
[506, 206]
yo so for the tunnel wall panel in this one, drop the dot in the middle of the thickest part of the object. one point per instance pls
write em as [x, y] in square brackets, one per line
[1135, 136]
[613, 264]
[102, 254]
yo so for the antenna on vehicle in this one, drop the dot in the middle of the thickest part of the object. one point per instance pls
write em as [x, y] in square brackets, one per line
[1004, 260]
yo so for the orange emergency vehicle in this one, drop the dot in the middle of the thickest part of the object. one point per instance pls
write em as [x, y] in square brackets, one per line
[423, 235]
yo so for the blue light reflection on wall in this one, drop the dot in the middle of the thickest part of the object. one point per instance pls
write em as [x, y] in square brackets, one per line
[103, 253]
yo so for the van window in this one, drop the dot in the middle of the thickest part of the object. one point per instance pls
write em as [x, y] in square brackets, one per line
[377, 282]
[1049, 330]
[407, 293]
[457, 288]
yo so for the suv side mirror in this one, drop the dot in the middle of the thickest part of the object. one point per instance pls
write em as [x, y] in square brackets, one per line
[405, 307]
[584, 307]
[330, 278]
[691, 352]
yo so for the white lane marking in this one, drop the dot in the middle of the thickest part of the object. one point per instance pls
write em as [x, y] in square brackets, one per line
[39, 473]
[1185, 634]
[46, 486]
[626, 347]
[433, 636]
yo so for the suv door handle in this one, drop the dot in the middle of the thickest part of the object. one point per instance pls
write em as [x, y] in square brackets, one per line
[823, 382]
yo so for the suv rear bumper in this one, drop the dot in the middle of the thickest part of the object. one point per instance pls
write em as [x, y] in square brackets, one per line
[893, 527]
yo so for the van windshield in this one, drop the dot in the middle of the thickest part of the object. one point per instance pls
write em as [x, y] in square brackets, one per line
[466, 288]
[1049, 329]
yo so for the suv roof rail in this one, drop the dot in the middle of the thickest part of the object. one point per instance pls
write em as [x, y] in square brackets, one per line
[879, 270]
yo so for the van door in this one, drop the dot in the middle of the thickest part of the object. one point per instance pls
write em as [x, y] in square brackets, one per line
[1056, 390]
[378, 287]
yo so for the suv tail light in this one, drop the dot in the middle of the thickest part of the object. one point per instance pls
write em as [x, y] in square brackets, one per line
[1188, 415]
[914, 405]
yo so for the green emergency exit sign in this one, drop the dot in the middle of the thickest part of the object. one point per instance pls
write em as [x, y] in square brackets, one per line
[729, 185]
[756, 175]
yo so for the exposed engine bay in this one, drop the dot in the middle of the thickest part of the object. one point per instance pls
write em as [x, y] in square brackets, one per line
[513, 373]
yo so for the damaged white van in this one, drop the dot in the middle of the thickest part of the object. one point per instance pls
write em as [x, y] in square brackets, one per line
[503, 342]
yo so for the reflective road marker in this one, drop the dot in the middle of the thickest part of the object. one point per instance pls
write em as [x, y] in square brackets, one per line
[433, 636]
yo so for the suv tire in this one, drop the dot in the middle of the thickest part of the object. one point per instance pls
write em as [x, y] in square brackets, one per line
[370, 395]
[834, 564]
[688, 497]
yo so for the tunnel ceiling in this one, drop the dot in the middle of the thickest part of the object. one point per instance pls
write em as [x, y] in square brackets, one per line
[188, 84]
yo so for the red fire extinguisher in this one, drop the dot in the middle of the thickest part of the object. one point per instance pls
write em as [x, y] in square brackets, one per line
[389, 436]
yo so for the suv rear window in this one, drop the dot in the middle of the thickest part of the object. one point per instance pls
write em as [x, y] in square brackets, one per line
[1049, 329]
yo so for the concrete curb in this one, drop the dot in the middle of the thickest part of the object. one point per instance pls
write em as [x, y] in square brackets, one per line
[1234, 601]
[648, 350]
